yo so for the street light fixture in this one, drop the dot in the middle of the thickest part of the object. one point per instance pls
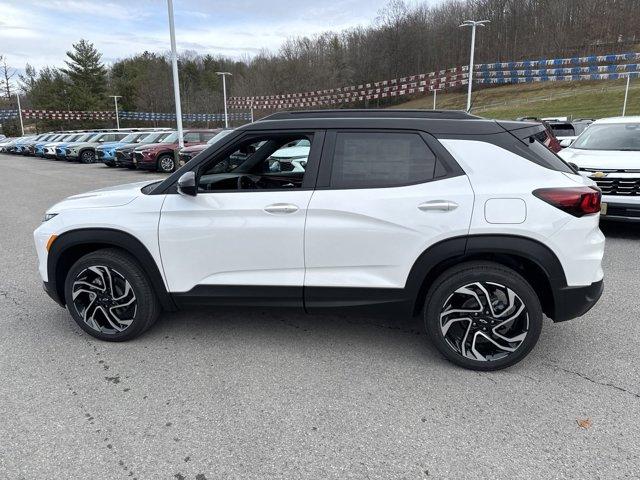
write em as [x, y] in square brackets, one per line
[115, 100]
[224, 93]
[473, 24]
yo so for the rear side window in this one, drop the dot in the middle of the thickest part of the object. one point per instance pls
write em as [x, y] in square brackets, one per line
[192, 137]
[375, 159]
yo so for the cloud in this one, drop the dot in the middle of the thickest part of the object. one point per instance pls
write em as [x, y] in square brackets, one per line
[40, 32]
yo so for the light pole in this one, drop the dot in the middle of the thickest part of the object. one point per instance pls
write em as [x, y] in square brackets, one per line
[20, 113]
[115, 100]
[224, 93]
[626, 95]
[473, 24]
[174, 68]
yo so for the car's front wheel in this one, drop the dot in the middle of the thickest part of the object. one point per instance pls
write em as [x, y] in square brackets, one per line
[483, 316]
[166, 163]
[109, 295]
[87, 156]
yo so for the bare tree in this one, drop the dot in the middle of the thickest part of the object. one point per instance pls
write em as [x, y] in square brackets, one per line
[7, 74]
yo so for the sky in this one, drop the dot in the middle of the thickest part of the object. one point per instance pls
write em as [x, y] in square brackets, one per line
[39, 32]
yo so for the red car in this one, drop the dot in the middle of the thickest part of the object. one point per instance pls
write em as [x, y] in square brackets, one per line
[187, 153]
[161, 156]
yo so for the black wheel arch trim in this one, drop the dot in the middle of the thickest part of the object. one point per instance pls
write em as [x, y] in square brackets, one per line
[442, 255]
[93, 239]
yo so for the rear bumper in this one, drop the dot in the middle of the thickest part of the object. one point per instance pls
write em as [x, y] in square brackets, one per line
[573, 302]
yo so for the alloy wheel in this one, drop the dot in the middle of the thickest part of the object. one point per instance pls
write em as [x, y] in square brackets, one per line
[166, 164]
[88, 157]
[104, 299]
[484, 321]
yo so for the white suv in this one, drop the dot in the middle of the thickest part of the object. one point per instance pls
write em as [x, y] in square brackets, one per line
[608, 151]
[469, 222]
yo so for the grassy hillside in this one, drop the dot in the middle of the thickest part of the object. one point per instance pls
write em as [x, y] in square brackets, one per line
[592, 99]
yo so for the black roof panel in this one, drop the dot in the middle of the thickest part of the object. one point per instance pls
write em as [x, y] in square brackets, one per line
[373, 113]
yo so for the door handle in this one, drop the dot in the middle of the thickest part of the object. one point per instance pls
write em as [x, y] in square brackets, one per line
[281, 208]
[438, 206]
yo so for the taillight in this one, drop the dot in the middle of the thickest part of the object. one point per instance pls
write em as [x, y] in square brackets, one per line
[577, 201]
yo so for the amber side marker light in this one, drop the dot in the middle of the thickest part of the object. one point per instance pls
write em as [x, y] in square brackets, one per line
[52, 239]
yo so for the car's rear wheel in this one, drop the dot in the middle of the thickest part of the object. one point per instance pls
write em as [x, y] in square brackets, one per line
[483, 316]
[109, 296]
[87, 156]
[166, 163]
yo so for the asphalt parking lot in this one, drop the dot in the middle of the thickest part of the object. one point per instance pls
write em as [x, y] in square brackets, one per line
[274, 394]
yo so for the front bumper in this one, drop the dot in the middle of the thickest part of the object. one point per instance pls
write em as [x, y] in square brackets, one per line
[573, 302]
[48, 288]
[623, 209]
[144, 161]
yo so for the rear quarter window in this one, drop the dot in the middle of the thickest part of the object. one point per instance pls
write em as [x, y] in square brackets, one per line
[530, 145]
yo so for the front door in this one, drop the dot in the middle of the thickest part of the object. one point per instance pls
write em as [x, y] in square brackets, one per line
[243, 233]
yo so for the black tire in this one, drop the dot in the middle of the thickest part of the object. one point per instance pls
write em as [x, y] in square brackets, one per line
[132, 167]
[166, 163]
[110, 164]
[122, 268]
[453, 286]
[87, 156]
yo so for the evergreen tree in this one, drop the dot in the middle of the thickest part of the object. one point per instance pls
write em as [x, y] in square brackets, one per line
[87, 77]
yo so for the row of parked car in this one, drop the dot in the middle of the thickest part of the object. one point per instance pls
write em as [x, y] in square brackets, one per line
[135, 148]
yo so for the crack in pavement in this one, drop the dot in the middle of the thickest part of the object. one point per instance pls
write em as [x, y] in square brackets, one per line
[596, 382]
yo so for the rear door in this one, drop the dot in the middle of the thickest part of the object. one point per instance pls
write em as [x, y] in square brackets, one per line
[382, 199]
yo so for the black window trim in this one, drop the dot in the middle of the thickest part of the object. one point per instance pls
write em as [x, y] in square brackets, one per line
[439, 152]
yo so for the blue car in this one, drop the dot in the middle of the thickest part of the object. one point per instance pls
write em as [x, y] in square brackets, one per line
[21, 145]
[106, 152]
[38, 148]
[26, 146]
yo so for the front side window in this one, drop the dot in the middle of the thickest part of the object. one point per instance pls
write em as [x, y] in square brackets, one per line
[259, 163]
[374, 159]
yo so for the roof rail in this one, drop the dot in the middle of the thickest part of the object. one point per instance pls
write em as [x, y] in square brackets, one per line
[372, 113]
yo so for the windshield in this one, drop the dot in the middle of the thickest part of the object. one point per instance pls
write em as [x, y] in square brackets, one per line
[562, 129]
[172, 138]
[94, 137]
[610, 136]
[218, 136]
[132, 137]
[154, 137]
[84, 137]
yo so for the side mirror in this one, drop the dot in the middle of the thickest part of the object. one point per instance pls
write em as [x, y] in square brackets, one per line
[187, 184]
[566, 142]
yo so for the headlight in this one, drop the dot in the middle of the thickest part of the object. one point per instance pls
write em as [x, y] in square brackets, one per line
[48, 216]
